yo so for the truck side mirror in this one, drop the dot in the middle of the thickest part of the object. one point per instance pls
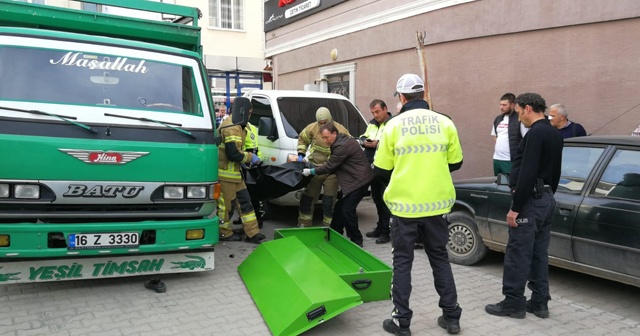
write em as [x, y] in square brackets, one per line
[267, 127]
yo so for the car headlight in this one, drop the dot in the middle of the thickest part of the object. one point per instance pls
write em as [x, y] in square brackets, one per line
[196, 192]
[173, 192]
[30, 191]
[4, 190]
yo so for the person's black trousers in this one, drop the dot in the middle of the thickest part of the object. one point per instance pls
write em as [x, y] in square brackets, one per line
[377, 191]
[434, 231]
[345, 216]
[526, 256]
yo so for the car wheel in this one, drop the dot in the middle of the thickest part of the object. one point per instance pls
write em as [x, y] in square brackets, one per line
[465, 244]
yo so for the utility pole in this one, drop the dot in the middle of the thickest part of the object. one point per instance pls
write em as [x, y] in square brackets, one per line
[420, 37]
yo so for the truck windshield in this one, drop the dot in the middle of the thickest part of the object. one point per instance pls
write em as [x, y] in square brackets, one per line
[79, 78]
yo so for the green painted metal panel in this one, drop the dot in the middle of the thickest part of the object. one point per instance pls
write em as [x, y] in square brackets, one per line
[293, 288]
[40, 158]
[187, 37]
[367, 274]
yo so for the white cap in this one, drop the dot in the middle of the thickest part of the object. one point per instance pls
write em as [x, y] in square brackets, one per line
[410, 83]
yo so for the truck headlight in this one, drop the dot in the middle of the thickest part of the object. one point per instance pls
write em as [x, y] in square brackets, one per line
[4, 190]
[173, 192]
[30, 191]
[196, 192]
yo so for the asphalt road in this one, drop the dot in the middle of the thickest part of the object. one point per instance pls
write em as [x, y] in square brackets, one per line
[218, 303]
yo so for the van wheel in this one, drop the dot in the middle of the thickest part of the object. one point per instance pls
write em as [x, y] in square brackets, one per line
[465, 244]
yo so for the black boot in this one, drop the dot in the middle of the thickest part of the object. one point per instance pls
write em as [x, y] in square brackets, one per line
[383, 239]
[452, 325]
[392, 328]
[373, 234]
[539, 309]
[504, 308]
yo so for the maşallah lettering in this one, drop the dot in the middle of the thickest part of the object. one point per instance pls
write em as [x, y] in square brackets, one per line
[119, 64]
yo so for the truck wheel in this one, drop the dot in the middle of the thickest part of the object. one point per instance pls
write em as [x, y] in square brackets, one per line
[465, 244]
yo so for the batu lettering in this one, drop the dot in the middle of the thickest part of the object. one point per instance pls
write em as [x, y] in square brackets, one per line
[119, 64]
[98, 191]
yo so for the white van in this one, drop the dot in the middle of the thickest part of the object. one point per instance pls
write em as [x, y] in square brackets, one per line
[281, 115]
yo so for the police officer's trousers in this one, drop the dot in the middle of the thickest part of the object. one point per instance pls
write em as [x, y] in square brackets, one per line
[526, 256]
[310, 197]
[384, 215]
[230, 192]
[434, 232]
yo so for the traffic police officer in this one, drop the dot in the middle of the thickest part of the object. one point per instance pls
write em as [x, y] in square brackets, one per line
[319, 153]
[417, 150]
[369, 140]
[230, 156]
[533, 180]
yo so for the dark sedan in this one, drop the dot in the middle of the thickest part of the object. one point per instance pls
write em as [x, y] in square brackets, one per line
[596, 226]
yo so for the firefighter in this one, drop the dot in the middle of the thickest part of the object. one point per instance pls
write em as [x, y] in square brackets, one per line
[319, 153]
[231, 155]
[251, 146]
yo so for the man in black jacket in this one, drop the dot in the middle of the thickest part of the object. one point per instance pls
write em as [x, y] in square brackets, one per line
[536, 172]
[508, 131]
[354, 174]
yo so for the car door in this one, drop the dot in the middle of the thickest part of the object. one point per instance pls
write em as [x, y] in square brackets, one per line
[606, 232]
[578, 162]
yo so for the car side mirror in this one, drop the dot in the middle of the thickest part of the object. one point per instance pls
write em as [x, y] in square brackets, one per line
[267, 127]
[502, 179]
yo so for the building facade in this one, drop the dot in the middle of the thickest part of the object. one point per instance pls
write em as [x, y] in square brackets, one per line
[581, 54]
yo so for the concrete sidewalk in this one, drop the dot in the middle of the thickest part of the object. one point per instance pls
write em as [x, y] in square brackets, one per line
[218, 303]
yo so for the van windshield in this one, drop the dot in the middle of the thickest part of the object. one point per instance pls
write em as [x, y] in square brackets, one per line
[298, 112]
[80, 78]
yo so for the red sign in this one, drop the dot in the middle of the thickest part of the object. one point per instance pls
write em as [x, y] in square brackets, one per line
[103, 157]
[283, 3]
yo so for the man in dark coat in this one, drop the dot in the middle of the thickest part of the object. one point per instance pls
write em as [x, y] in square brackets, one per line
[354, 174]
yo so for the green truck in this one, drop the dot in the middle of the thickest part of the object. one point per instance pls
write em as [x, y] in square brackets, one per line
[108, 165]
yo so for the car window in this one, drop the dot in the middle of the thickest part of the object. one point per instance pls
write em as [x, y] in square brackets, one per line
[577, 163]
[298, 112]
[261, 107]
[621, 178]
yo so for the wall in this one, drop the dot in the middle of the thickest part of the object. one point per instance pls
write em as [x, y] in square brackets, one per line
[584, 56]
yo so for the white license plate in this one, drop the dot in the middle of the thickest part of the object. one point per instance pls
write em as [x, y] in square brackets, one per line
[86, 241]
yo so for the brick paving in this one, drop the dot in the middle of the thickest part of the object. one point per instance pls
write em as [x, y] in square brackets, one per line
[217, 302]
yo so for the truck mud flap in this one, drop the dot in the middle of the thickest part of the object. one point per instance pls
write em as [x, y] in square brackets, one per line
[293, 288]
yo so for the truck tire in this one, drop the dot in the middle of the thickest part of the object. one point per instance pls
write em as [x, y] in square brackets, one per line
[465, 244]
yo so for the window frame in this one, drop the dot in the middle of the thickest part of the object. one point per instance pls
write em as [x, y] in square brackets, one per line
[216, 5]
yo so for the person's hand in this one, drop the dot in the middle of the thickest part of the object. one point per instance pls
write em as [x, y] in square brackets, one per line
[300, 157]
[254, 159]
[511, 218]
[306, 172]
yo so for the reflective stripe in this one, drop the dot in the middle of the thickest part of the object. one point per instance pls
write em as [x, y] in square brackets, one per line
[246, 218]
[321, 149]
[418, 149]
[421, 207]
[229, 174]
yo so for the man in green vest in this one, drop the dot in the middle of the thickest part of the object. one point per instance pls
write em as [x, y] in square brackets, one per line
[417, 151]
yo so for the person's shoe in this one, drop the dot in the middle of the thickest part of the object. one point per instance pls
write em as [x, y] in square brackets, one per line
[504, 309]
[452, 325]
[418, 246]
[383, 239]
[373, 234]
[233, 237]
[257, 239]
[539, 309]
[155, 285]
[392, 328]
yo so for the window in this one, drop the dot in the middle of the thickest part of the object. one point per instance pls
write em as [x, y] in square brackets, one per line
[577, 163]
[621, 179]
[89, 7]
[226, 14]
